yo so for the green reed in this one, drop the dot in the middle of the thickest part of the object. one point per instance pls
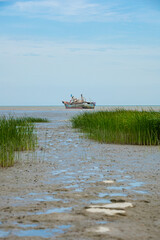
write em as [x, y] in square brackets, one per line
[35, 120]
[121, 126]
[16, 134]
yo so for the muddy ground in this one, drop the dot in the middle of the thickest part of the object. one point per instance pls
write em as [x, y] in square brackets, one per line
[49, 194]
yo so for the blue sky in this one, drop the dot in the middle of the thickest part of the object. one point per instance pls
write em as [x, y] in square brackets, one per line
[108, 50]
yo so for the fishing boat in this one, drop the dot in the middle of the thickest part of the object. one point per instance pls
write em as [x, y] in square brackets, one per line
[79, 103]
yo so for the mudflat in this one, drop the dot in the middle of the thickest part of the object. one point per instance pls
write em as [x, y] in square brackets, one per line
[75, 188]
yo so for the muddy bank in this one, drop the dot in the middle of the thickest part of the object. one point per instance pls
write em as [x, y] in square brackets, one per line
[48, 194]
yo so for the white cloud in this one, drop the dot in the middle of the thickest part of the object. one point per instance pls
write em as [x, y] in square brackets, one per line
[30, 6]
[83, 10]
[69, 10]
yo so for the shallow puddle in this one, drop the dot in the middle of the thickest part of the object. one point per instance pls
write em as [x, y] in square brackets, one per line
[136, 184]
[119, 194]
[127, 176]
[35, 194]
[72, 186]
[4, 233]
[55, 210]
[119, 188]
[26, 225]
[44, 197]
[18, 198]
[102, 222]
[45, 233]
[141, 192]
[47, 199]
[100, 201]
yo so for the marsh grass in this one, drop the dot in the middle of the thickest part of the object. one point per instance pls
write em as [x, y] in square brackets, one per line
[16, 134]
[120, 126]
[35, 120]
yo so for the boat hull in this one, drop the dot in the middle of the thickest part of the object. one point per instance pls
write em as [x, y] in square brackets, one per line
[85, 105]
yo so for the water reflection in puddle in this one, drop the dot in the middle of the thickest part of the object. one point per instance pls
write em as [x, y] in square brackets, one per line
[136, 184]
[127, 176]
[43, 197]
[18, 198]
[72, 186]
[4, 233]
[49, 198]
[26, 225]
[120, 194]
[119, 188]
[57, 172]
[98, 201]
[55, 210]
[102, 222]
[141, 192]
[45, 233]
[35, 194]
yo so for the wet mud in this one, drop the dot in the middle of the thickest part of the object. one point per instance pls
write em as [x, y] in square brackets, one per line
[75, 188]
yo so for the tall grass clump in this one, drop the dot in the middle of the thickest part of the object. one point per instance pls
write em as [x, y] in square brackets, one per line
[120, 126]
[16, 134]
[35, 120]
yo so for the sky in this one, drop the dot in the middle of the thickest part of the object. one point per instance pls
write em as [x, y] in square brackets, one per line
[108, 50]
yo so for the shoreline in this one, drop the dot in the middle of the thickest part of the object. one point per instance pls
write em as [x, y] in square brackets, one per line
[12, 109]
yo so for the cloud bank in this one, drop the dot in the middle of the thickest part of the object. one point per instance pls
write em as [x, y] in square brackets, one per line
[82, 10]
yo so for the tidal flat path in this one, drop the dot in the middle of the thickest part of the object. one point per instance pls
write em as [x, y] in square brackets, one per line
[75, 188]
